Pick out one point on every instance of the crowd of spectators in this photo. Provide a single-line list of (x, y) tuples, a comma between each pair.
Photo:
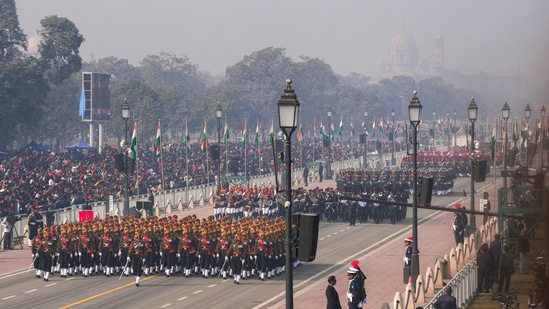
[(58, 180), (46, 179)]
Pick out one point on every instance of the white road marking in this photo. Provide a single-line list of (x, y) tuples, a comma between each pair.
[(211, 286), (12, 296), (51, 284), (166, 305), (199, 291), (182, 298), (30, 291), (322, 238)]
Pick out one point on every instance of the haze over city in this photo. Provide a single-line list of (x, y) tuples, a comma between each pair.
[(350, 36)]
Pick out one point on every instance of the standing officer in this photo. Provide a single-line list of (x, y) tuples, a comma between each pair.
[(353, 292), (46, 251), (306, 176), (408, 258)]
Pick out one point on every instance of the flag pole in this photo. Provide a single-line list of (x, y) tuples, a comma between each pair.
[(162, 166)]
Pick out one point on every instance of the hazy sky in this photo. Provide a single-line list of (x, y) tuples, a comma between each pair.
[(349, 35)]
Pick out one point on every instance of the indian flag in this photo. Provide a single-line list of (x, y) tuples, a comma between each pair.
[(204, 138), (244, 134), (257, 135), (272, 134), (314, 128), (157, 141), (341, 128), (352, 130), (187, 135), (226, 134), (493, 143), (133, 142)]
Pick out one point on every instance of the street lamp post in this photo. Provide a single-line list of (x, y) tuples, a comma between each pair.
[(329, 164), (394, 137), (505, 111), (126, 116), (434, 130), (473, 112), (288, 115), (542, 114), (414, 113), (219, 114), (365, 138), (527, 113)]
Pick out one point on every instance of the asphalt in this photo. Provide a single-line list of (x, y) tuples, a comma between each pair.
[(384, 280)]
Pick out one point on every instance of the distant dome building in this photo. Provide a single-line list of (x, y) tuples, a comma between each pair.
[(32, 45), (403, 56)]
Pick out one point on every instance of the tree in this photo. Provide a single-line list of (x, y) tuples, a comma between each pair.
[(59, 48)]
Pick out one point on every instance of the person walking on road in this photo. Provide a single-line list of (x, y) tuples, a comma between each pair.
[(331, 294), (306, 176), (523, 248), (446, 301)]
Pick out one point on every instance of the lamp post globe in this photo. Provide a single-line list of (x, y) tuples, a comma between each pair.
[(288, 115)]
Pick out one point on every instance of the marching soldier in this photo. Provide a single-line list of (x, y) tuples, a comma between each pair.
[(124, 249), (64, 246), (36, 252), (46, 250), (137, 257), (168, 252), (223, 246), (187, 252), (236, 252)]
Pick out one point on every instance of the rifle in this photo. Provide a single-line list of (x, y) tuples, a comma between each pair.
[(126, 265)]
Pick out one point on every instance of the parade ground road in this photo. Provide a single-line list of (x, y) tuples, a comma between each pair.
[(379, 247)]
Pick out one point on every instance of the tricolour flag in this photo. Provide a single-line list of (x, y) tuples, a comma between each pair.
[(272, 133), (314, 129), (374, 128), (493, 143), (204, 138), (257, 135), (341, 128), (244, 132), (323, 131), (226, 133), (300, 133), (332, 130), (352, 130), (133, 142), (187, 135), (157, 142)]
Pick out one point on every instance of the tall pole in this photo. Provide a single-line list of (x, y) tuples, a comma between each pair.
[(448, 128), (527, 112), (366, 139), (288, 113), (394, 137), (218, 115), (542, 113), (126, 116), (329, 165), (434, 132), (414, 111), (505, 111), (473, 112)]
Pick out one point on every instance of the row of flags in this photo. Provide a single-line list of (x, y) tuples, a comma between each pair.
[(519, 134), (204, 136)]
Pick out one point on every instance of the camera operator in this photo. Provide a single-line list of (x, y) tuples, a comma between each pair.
[(7, 225)]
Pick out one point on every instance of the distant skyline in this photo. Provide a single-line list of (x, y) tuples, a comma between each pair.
[(350, 36)]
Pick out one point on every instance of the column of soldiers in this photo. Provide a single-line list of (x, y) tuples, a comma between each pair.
[(189, 246)]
